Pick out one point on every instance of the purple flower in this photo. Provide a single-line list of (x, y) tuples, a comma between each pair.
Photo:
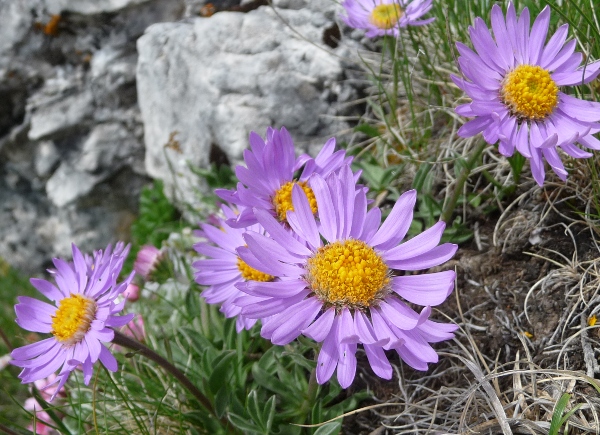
[(223, 268), (147, 261), (268, 178), (514, 83), (385, 17), (337, 284), (80, 320)]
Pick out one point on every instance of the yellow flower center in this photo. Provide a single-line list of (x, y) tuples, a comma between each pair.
[(386, 16), (251, 274), (282, 200), (529, 92), (73, 318), (348, 273)]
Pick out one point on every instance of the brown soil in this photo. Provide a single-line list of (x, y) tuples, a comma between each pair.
[(517, 300)]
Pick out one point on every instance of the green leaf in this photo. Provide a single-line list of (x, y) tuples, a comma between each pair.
[(367, 129), (222, 399), (221, 371), (254, 409), (559, 418), (243, 424), (516, 161), (269, 413), (270, 382), (423, 181), (331, 428)]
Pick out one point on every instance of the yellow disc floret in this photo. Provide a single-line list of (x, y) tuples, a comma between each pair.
[(282, 200), (251, 274), (386, 16), (73, 318), (530, 92), (348, 273)]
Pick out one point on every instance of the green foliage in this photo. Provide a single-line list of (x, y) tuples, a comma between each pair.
[(157, 217), (12, 392), (559, 417)]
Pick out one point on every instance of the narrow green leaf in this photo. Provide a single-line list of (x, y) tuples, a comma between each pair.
[(220, 373), (331, 428)]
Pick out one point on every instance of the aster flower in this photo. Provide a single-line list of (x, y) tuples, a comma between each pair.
[(514, 81), (337, 282), (223, 268), (267, 180), (385, 17), (147, 261), (80, 319)]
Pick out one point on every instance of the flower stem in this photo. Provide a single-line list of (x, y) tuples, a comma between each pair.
[(122, 340), (460, 182), (7, 430), (6, 341)]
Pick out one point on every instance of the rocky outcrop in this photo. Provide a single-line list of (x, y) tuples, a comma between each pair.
[(87, 117), (71, 136), (208, 82)]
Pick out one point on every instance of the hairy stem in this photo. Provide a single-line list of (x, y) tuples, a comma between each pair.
[(6, 340), (130, 343)]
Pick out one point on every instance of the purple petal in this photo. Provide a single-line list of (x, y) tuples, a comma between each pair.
[(108, 359), (582, 110), (372, 222), (539, 30), (411, 359), (321, 327), (537, 166), (563, 56), (41, 310), (47, 289), (435, 257), (435, 332), (501, 36), (118, 321), (293, 320), (399, 314), (416, 246), (327, 214), (378, 361), (306, 224), (281, 289), (346, 368), (554, 45), (427, 289), (263, 260), (365, 331), (280, 235), (270, 307), (346, 332), (474, 126), (34, 349), (397, 223), (328, 356), (383, 331)]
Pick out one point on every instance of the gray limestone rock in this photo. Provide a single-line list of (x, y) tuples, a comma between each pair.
[(86, 115), (210, 81)]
